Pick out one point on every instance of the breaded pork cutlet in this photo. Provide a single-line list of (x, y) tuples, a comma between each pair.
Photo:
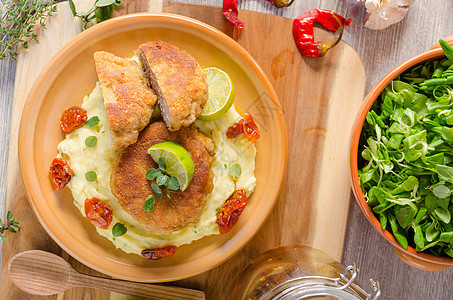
[(130, 185), (128, 99), (179, 81)]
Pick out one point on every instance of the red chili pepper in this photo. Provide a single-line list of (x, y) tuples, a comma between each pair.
[(281, 3), (303, 31), (230, 11)]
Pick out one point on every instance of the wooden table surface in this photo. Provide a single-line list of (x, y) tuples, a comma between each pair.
[(426, 22)]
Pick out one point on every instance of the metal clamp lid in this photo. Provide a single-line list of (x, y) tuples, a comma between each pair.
[(353, 271), (342, 287)]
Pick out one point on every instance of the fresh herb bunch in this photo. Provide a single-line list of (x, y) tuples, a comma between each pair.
[(407, 143), (20, 23), (102, 10), (160, 179), (10, 225)]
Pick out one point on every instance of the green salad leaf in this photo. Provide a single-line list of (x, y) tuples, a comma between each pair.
[(406, 162)]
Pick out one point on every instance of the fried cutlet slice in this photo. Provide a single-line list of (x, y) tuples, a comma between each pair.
[(128, 99), (130, 185), (179, 81)]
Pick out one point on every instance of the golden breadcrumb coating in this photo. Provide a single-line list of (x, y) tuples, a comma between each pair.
[(128, 99), (179, 81), (130, 185)]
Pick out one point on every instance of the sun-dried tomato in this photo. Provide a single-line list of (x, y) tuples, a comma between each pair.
[(229, 212), (73, 118), (60, 173), (235, 129), (98, 212), (158, 253), (251, 129), (246, 126)]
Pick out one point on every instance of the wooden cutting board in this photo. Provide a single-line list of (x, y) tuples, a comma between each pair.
[(319, 99)]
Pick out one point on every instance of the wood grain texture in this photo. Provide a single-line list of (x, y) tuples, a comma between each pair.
[(426, 22), (17, 202), (312, 129)]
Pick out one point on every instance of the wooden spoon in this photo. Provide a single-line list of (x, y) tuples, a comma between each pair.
[(43, 273)]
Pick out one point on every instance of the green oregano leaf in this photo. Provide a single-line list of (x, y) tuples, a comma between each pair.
[(91, 122), (162, 164), (172, 183), (161, 179), (153, 173), (119, 230), (157, 190), (149, 204), (91, 141), (91, 176), (235, 170)]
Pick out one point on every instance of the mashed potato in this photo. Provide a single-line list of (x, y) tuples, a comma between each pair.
[(100, 158)]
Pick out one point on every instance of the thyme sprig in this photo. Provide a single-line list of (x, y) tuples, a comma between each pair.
[(20, 22), (10, 225)]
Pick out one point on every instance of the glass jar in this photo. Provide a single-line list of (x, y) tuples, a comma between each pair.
[(299, 272)]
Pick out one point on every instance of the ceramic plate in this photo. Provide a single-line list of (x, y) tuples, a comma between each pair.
[(71, 74)]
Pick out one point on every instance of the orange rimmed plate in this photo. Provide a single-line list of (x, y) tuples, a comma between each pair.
[(71, 74)]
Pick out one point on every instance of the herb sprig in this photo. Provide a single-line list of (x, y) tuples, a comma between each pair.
[(20, 23), (158, 180), (11, 225), (102, 10)]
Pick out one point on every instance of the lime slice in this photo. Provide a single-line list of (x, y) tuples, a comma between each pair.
[(177, 160), (221, 94)]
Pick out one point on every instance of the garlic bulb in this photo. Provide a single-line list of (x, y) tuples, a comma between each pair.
[(383, 13)]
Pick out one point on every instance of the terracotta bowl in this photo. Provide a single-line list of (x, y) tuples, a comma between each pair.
[(71, 74), (411, 257)]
